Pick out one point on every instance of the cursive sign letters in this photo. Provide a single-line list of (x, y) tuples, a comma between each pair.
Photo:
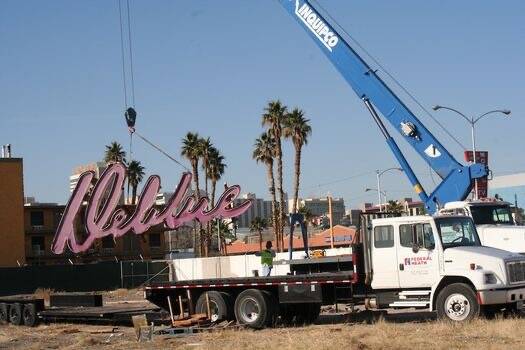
[(102, 218)]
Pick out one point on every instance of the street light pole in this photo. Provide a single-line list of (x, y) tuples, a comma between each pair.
[(472, 121), (383, 193), (379, 192)]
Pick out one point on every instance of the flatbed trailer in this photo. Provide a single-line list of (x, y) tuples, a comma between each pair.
[(259, 301), (29, 310)]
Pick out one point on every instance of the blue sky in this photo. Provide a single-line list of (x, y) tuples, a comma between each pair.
[(211, 66)]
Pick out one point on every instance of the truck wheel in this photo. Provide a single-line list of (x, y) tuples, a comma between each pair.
[(4, 313), (15, 314), (457, 302), (220, 305), (29, 315), (273, 308), (253, 309)]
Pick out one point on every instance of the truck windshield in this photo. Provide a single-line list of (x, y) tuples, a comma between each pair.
[(457, 232), (491, 215)]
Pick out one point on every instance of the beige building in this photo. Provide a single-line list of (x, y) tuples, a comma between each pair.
[(319, 207), (12, 252)]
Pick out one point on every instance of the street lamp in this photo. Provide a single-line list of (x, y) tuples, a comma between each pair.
[(472, 121), (379, 192)]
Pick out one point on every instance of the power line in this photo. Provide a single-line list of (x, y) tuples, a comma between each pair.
[(332, 19)]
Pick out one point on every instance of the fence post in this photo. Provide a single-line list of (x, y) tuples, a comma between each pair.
[(121, 276)]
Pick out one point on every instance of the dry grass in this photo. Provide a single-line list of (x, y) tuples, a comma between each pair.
[(479, 334)]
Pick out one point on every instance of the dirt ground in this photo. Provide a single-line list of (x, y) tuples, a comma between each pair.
[(390, 332), (360, 330)]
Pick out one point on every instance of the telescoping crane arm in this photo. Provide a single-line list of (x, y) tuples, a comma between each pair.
[(457, 179)]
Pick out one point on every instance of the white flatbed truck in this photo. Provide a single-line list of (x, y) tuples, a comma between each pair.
[(434, 263)]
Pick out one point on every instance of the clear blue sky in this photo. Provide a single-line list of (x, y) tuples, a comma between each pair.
[(211, 66)]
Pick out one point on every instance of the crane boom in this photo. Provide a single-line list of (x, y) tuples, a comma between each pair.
[(457, 179)]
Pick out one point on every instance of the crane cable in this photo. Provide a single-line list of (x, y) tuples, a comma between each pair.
[(396, 82), (131, 107)]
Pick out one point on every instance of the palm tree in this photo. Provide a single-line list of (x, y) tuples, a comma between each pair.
[(264, 150), (207, 148), (295, 126), (307, 214), (258, 225), (135, 176), (273, 117), (192, 150), (395, 208), (114, 153), (215, 171)]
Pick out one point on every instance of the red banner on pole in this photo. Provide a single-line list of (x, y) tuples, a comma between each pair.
[(483, 158)]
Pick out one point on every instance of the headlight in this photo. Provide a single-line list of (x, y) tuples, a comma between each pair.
[(490, 278)]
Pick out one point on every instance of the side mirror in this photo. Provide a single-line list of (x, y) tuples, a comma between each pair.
[(415, 247)]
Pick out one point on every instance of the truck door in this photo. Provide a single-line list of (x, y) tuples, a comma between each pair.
[(384, 258), (417, 257)]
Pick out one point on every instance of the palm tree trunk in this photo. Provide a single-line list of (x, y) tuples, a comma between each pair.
[(271, 182), (213, 187), (208, 225), (260, 240), (279, 155), (195, 168), (297, 176), (133, 194)]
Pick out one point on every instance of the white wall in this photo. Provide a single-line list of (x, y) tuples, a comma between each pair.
[(234, 266)]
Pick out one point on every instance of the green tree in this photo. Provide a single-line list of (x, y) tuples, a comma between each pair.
[(258, 225), (114, 153), (395, 208), (192, 150), (274, 114), (263, 151), (135, 176), (296, 128)]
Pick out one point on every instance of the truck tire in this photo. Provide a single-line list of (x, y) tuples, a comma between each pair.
[(457, 302), (15, 314), (273, 308), (29, 315), (253, 308), (220, 305), (4, 313)]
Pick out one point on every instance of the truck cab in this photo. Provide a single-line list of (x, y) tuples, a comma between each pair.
[(494, 222), (439, 263)]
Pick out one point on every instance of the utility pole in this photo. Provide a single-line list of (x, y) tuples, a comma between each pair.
[(331, 221)]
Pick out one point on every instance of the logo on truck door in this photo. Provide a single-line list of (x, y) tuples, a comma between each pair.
[(316, 25)]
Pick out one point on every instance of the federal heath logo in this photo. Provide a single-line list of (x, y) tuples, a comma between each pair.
[(316, 25)]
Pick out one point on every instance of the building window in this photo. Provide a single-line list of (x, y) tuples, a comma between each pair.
[(38, 244), (154, 240), (37, 218), (108, 242)]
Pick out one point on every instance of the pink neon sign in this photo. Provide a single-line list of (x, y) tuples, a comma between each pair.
[(102, 218)]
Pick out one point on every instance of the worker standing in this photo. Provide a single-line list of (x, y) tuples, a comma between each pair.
[(267, 256)]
